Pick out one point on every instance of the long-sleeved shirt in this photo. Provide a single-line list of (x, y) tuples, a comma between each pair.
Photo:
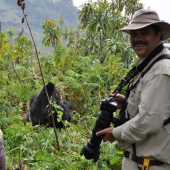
[(149, 106)]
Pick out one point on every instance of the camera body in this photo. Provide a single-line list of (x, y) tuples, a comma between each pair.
[(91, 150), (108, 105)]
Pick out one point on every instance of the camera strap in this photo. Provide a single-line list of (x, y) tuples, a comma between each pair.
[(164, 56), (146, 63), (137, 69)]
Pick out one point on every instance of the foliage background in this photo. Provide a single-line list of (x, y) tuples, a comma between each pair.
[(85, 64)]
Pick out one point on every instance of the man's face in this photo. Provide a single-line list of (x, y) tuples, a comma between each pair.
[(144, 41)]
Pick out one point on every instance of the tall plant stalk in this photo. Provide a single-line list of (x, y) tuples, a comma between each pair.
[(21, 3)]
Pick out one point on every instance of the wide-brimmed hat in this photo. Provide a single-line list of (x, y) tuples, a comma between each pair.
[(146, 17)]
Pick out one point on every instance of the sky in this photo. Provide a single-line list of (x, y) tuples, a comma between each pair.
[(160, 6)]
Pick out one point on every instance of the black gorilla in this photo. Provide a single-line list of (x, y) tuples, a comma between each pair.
[(39, 108)]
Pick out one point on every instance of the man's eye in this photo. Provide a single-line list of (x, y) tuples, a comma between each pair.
[(133, 34), (145, 33)]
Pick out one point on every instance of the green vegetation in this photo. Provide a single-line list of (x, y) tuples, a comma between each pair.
[(85, 64)]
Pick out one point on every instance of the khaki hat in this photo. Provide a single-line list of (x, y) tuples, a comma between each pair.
[(146, 17)]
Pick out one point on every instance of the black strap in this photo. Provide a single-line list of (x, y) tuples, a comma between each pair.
[(148, 59), (129, 77), (167, 121), (137, 69), (164, 56), (140, 160)]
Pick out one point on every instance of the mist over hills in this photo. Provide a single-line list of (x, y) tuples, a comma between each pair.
[(37, 11)]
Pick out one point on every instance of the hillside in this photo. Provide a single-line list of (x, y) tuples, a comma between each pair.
[(37, 11)]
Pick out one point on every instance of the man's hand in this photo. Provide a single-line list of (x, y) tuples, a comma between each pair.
[(120, 99), (108, 134)]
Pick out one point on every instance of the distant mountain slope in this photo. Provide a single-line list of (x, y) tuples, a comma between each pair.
[(37, 11)]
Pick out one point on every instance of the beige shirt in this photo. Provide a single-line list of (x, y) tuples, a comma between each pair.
[(149, 106)]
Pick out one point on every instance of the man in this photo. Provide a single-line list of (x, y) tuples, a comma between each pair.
[(145, 137), (2, 154)]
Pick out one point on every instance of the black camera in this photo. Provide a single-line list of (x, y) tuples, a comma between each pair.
[(91, 150), (108, 105)]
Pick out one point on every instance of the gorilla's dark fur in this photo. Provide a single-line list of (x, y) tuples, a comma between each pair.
[(39, 108)]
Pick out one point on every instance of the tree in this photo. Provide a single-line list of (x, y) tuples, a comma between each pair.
[(100, 22), (52, 33)]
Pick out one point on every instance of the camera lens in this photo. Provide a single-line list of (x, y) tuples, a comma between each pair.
[(91, 150)]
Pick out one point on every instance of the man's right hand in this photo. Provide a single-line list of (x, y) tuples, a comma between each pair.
[(119, 98), (108, 134)]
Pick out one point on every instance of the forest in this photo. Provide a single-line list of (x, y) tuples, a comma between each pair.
[(85, 64)]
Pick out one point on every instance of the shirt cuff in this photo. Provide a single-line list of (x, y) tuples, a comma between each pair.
[(117, 132)]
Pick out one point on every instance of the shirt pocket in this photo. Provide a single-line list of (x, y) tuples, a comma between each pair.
[(134, 99)]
